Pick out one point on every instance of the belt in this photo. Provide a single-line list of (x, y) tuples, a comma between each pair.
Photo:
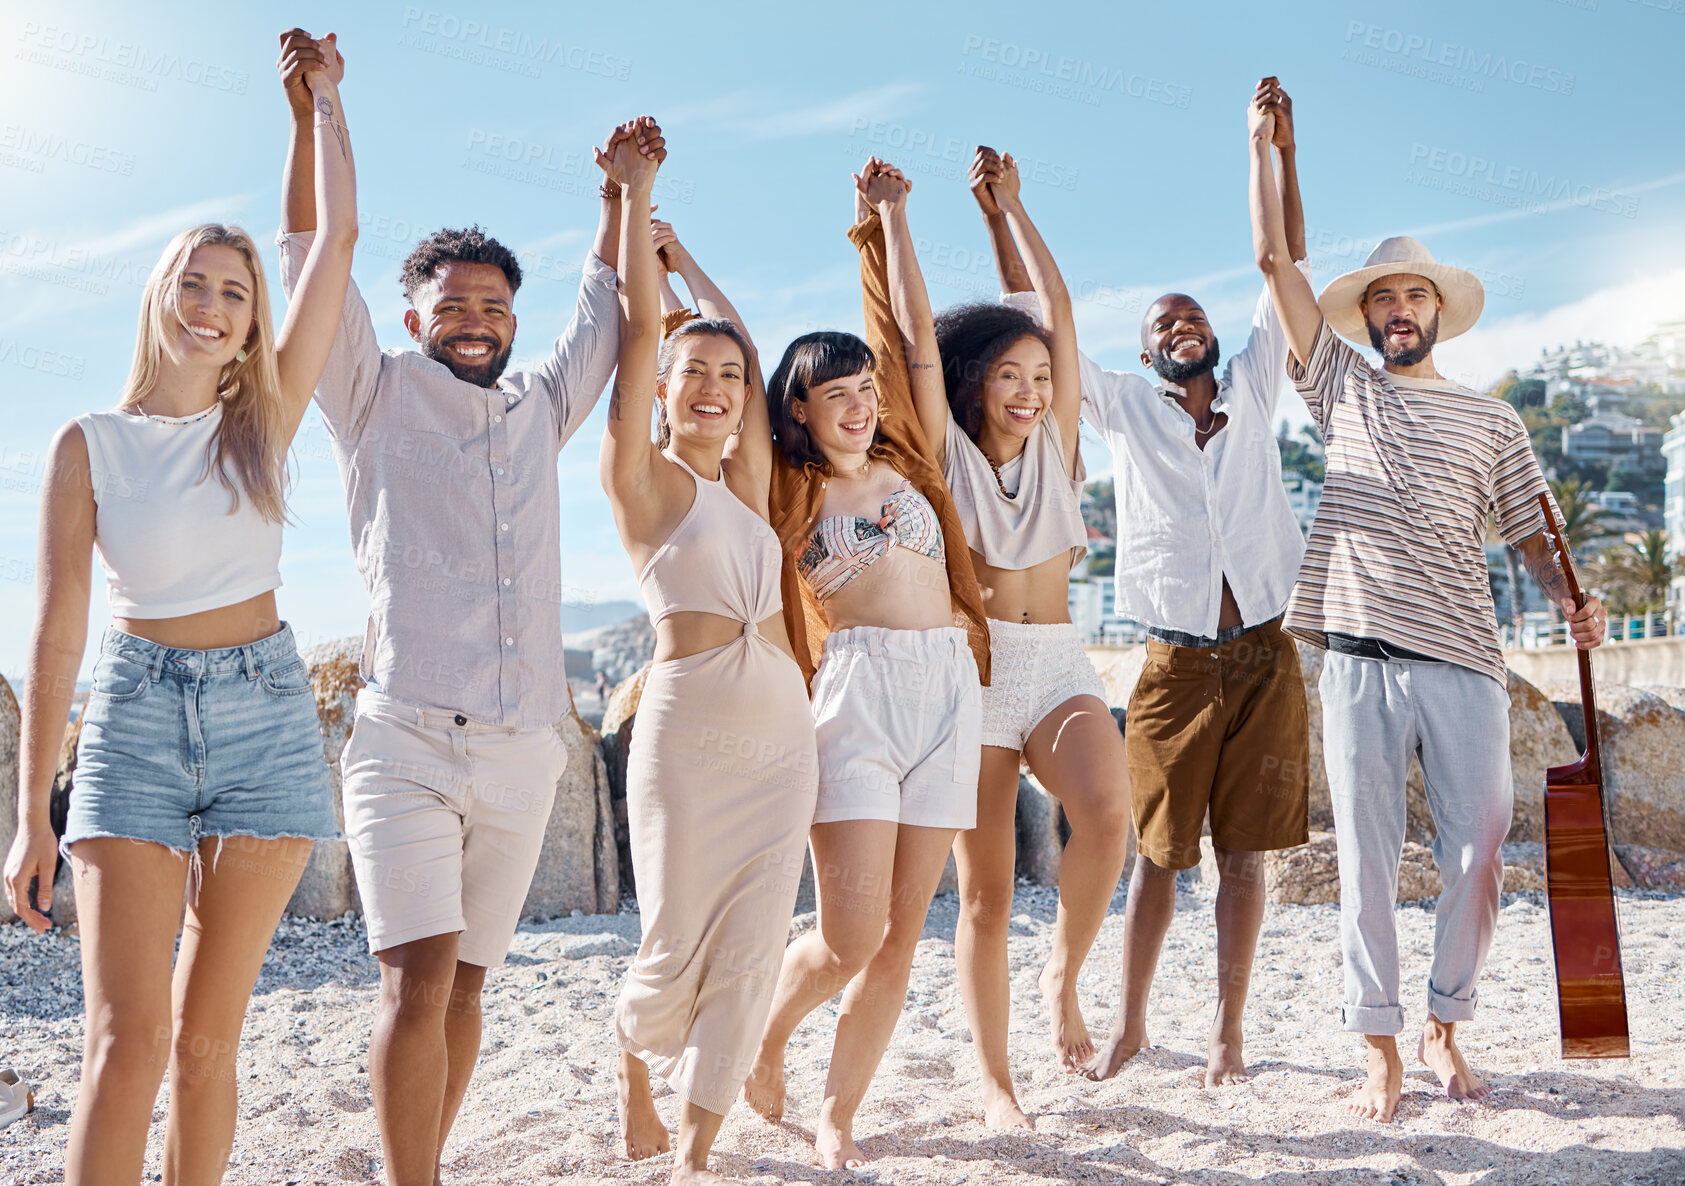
[(1225, 635), (1375, 648)]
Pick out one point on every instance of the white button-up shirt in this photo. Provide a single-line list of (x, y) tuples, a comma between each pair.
[(455, 508), (1187, 517)]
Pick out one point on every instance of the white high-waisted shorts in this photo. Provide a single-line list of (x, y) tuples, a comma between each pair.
[(897, 716), (1033, 669)]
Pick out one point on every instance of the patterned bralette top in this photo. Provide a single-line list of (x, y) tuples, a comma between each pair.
[(844, 546)]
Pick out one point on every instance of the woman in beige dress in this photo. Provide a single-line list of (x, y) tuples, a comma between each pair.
[(721, 777)]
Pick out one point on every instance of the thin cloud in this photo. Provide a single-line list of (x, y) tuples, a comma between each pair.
[(759, 118)]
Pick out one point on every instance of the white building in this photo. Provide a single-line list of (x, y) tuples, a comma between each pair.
[(1304, 495), (1673, 503)]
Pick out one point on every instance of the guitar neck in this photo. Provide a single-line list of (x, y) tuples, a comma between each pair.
[(1588, 694)]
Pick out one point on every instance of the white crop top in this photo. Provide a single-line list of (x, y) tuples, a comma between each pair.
[(1040, 519), (164, 527)]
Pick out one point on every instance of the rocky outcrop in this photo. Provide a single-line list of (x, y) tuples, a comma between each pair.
[(578, 868), (618, 721), (577, 871), (1643, 750), (1653, 868), (10, 746), (327, 889), (618, 651)]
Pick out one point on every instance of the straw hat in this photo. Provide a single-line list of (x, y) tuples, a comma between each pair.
[(1461, 292)]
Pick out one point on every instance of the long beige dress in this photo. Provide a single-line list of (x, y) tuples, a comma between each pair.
[(720, 792)]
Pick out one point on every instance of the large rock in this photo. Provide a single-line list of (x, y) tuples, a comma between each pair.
[(1042, 833), (328, 889), (1653, 868), (1119, 673), (1309, 875), (619, 719), (1643, 750), (567, 877), (618, 651), (10, 747)]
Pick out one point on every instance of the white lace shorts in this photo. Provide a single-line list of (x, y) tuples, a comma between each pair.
[(1033, 669)]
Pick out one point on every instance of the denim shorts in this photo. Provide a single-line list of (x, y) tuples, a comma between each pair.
[(179, 744)]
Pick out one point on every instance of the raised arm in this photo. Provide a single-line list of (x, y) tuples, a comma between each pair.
[(65, 553), (313, 314), (1055, 299), (628, 452), (750, 450), (1294, 301), (300, 53), (884, 189), (1286, 150), (1009, 265)]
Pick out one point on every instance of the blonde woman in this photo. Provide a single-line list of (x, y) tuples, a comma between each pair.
[(199, 770)]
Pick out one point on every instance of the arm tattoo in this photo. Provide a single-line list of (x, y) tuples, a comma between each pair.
[(325, 106), (1542, 562)]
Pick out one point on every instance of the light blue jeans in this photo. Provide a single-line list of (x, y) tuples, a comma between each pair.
[(181, 744), (1375, 715)]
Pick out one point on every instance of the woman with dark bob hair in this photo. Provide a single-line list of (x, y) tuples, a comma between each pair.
[(879, 585), (1003, 420)]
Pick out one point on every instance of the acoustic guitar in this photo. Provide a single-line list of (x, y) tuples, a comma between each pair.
[(1584, 930)]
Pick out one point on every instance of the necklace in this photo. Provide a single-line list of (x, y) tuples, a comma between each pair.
[(182, 421), (854, 474), (998, 480)]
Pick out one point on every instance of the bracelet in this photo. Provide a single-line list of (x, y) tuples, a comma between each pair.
[(609, 190), (323, 121)]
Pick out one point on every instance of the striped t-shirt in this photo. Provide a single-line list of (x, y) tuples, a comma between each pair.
[(1415, 466)]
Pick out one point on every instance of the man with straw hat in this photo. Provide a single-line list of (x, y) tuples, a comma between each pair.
[(1394, 586)]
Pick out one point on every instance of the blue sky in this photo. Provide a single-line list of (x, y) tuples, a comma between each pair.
[(1533, 142)]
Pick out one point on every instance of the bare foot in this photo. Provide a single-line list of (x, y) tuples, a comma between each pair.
[(694, 1176), (1071, 1044), (1378, 1098), (640, 1125), (1224, 1063), (764, 1089), (835, 1145), (1001, 1110), (1437, 1048), (1123, 1045)]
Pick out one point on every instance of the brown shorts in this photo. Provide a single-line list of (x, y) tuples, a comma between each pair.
[(1221, 728)]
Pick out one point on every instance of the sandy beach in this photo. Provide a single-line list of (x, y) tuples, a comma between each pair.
[(541, 1108)]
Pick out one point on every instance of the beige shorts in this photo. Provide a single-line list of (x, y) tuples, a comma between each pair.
[(896, 716), (1033, 669), (445, 818)]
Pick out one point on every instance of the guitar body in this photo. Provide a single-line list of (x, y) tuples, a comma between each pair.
[(1585, 932)]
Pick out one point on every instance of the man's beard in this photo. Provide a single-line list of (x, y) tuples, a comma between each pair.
[(1426, 336), (484, 373), (1180, 373)]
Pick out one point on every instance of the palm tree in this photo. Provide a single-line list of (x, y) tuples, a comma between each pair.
[(1582, 519), (1650, 569)]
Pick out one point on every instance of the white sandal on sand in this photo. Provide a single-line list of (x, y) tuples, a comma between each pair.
[(16, 1099)]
